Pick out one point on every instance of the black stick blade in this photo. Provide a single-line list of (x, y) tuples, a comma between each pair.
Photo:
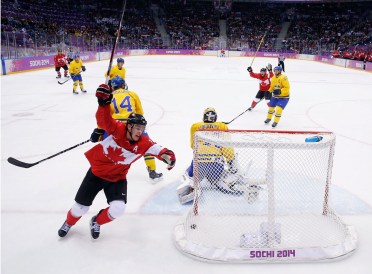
[(18, 163)]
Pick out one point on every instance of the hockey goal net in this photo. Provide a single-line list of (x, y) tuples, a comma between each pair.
[(222, 53), (263, 196)]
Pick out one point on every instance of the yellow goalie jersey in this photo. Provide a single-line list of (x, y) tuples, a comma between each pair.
[(209, 152), (115, 71), (125, 102)]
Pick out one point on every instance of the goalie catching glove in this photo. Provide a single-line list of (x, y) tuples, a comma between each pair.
[(168, 157), (104, 94)]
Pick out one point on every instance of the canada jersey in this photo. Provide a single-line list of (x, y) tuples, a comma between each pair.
[(116, 71), (263, 81), (112, 158), (125, 102), (75, 67), (60, 60), (208, 152), (280, 82)]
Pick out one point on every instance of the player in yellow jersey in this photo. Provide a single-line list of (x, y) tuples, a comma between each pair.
[(212, 160), (117, 70), (123, 103), (280, 89), (76, 66)]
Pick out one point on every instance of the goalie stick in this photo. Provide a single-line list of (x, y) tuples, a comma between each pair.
[(18, 163)]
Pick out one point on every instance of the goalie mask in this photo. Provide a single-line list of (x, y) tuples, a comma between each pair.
[(210, 115)]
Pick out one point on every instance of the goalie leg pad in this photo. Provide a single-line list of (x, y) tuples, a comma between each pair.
[(228, 188)]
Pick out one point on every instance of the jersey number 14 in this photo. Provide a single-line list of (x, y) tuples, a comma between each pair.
[(125, 104)]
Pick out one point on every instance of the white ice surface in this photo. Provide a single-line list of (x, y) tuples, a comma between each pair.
[(40, 118)]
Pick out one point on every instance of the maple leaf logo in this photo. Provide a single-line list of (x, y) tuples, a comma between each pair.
[(115, 154)]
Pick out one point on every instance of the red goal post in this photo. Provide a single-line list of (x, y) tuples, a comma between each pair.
[(263, 196)]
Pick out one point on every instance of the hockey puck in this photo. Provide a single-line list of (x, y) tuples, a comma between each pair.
[(193, 226)]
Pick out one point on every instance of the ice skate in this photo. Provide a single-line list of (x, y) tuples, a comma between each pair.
[(274, 124), (65, 228), (154, 176), (94, 227), (267, 121)]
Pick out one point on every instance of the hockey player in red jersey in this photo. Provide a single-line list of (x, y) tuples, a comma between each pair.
[(60, 61), (264, 79), (110, 161)]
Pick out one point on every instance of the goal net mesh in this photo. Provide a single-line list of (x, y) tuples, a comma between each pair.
[(263, 196)]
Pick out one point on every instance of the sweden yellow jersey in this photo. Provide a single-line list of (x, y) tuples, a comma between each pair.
[(125, 102), (115, 71), (75, 67), (281, 82), (206, 151)]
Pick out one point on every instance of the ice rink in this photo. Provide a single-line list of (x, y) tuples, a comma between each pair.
[(40, 118)]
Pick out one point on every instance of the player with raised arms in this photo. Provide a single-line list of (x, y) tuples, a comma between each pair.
[(125, 102), (110, 161), (264, 80)]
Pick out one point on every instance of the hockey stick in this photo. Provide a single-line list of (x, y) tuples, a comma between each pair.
[(236, 117), (116, 41), (254, 57), (241, 114), (61, 83), (18, 163)]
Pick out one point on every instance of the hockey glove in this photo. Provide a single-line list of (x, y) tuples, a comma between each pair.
[(249, 69), (269, 67), (277, 92), (97, 135), (168, 157), (83, 68), (104, 95)]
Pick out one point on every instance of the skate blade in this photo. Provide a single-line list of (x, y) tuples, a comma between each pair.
[(156, 180)]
